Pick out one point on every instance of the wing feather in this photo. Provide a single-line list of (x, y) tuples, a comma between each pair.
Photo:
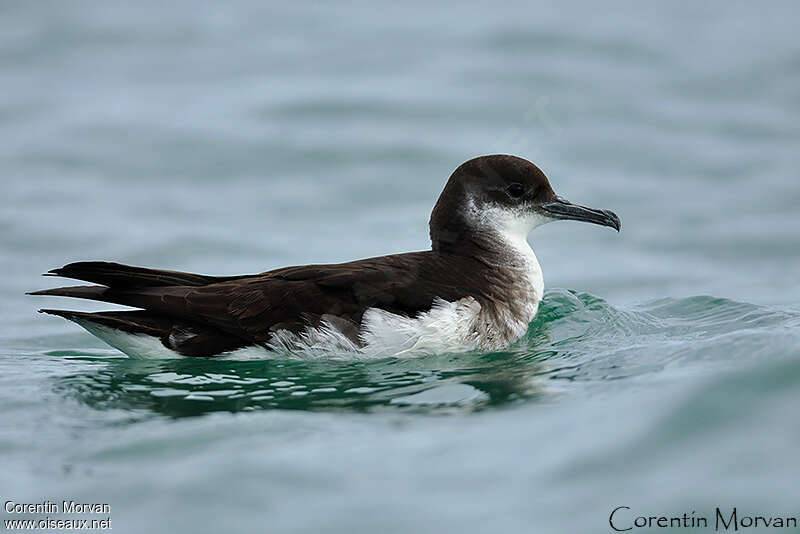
[(253, 307)]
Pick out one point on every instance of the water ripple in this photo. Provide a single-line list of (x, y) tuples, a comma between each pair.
[(577, 338)]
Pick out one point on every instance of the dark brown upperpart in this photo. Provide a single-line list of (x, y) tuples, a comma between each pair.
[(200, 314)]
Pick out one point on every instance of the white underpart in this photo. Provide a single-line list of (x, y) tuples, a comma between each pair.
[(512, 229), (138, 346), (447, 327), (509, 228)]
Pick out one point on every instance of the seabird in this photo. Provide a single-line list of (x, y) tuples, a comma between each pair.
[(478, 287)]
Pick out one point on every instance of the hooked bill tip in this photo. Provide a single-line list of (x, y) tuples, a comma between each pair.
[(616, 223)]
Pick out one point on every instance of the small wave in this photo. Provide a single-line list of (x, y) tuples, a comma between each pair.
[(571, 325), (605, 342), (577, 339)]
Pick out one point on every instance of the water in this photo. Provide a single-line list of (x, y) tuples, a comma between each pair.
[(662, 372)]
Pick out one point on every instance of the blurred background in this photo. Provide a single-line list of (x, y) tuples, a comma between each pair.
[(227, 138)]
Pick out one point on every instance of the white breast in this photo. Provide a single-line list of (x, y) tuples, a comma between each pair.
[(507, 231)]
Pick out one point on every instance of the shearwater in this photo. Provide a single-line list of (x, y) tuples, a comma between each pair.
[(478, 287)]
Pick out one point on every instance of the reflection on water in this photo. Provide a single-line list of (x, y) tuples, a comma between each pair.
[(576, 337), (179, 388)]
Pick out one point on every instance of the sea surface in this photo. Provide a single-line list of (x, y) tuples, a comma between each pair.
[(662, 372)]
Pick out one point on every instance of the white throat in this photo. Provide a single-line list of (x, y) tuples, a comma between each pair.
[(507, 231), (508, 227)]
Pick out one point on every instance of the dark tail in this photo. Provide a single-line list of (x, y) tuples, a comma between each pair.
[(78, 292), (161, 297), (138, 322), (121, 276), (130, 286)]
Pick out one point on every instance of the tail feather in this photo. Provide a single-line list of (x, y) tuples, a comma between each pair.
[(79, 292), (161, 297), (121, 276), (135, 321), (168, 300), (137, 287)]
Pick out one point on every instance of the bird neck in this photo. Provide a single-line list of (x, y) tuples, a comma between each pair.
[(491, 234), (505, 257)]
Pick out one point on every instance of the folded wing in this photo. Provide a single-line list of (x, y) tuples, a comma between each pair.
[(198, 315)]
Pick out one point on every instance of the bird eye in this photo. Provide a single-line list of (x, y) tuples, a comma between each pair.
[(515, 190)]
